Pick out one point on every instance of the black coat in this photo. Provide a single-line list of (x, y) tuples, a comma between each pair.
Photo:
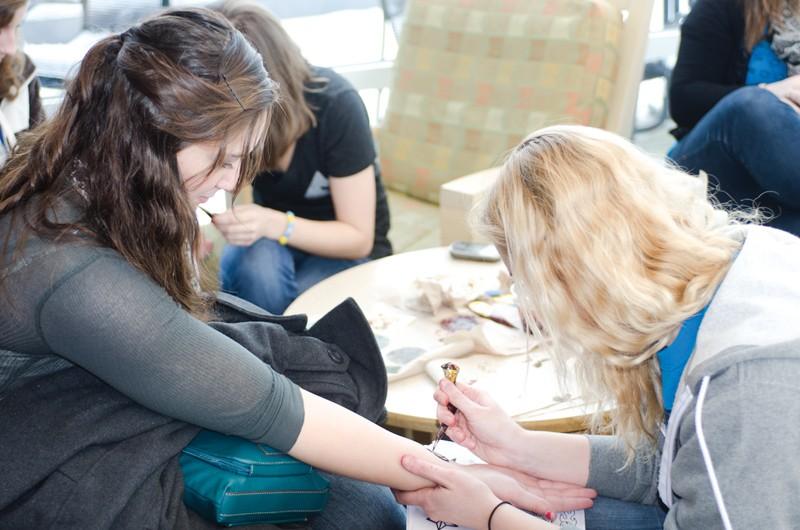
[(712, 61)]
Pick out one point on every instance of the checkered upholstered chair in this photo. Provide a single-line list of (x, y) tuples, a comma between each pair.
[(473, 77)]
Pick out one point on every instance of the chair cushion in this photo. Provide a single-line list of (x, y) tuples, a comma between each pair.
[(472, 78)]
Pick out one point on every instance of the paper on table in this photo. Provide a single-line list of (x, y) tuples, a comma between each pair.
[(435, 357), (521, 383), (496, 339), (416, 519)]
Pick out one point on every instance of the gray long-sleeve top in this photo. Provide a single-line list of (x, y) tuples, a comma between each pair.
[(75, 303)]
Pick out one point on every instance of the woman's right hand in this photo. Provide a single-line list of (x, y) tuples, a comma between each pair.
[(787, 90), (456, 497), (480, 424)]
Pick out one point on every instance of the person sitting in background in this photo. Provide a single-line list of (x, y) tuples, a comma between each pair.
[(20, 105), (319, 204), (735, 96), (679, 319)]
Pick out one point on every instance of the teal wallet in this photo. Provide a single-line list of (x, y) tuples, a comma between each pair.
[(232, 482)]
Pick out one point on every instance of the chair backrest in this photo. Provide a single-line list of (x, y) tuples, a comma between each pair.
[(630, 64), (472, 78)]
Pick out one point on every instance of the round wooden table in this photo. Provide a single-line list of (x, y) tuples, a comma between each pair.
[(410, 405)]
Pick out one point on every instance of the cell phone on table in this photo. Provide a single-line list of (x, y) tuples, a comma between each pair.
[(474, 251)]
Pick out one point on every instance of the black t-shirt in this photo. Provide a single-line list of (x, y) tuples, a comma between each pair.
[(339, 146)]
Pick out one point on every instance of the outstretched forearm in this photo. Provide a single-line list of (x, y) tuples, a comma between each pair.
[(552, 455), (339, 441)]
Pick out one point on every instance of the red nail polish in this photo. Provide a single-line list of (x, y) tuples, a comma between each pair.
[(550, 516)]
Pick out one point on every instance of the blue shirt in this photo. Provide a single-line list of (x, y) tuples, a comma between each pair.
[(765, 66), (674, 357)]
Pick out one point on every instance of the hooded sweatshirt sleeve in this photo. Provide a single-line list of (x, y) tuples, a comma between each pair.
[(611, 477)]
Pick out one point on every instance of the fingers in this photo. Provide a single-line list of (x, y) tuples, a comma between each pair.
[(533, 503), (566, 504), (460, 436), (444, 415), (239, 230), (433, 471), (417, 497), (471, 392), (569, 490), (241, 237), (457, 397), (793, 99)]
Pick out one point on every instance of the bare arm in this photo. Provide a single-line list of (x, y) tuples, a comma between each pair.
[(352, 234), (554, 456), (339, 441)]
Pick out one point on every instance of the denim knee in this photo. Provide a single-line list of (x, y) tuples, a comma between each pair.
[(262, 273), (751, 110), (613, 514), (354, 504)]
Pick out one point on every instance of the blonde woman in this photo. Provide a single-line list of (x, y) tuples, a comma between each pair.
[(682, 319)]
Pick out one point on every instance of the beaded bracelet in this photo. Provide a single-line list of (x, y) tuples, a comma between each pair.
[(489, 525), (287, 233)]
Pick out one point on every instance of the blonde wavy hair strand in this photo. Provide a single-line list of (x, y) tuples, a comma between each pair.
[(610, 250)]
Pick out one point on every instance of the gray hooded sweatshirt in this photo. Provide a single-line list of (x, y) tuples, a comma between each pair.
[(728, 457)]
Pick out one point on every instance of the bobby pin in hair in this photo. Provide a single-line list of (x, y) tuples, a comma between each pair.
[(224, 78), (125, 35)]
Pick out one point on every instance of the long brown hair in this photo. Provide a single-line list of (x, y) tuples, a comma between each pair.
[(11, 67), (285, 63), (760, 13), (179, 78)]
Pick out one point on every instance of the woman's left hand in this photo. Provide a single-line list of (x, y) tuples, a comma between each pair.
[(457, 490), (531, 493), (245, 224), (458, 497)]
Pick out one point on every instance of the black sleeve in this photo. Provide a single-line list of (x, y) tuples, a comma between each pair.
[(711, 37), (36, 110), (116, 323), (347, 144)]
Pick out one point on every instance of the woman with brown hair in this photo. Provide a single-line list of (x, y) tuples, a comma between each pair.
[(319, 205), (20, 106), (105, 330), (678, 318), (735, 96)]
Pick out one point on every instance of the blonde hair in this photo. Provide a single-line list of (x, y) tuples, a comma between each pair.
[(610, 250)]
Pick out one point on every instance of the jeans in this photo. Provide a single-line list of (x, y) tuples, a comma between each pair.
[(613, 514), (748, 143), (356, 505), (271, 275)]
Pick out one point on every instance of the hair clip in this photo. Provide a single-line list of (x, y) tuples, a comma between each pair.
[(224, 78), (125, 35)]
